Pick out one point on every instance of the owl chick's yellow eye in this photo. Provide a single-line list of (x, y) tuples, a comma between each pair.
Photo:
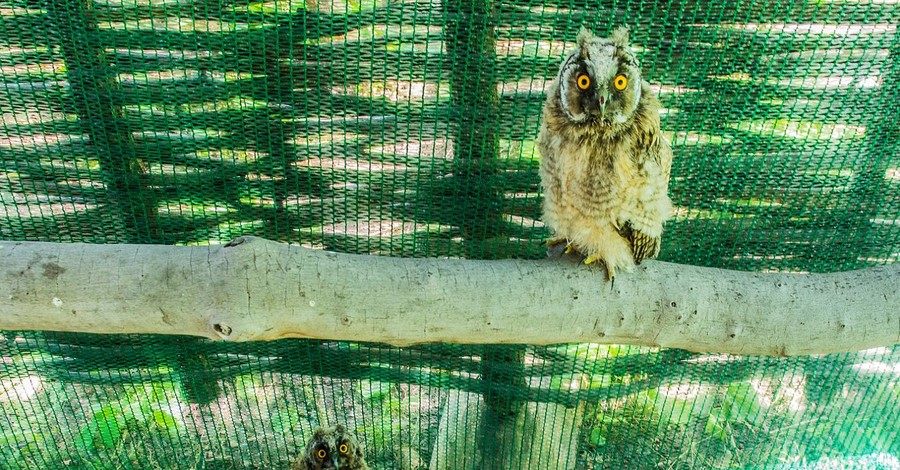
[(620, 82), (583, 81), (343, 448), (321, 453)]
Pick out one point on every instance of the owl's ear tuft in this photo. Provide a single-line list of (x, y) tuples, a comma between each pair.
[(584, 35), (619, 36)]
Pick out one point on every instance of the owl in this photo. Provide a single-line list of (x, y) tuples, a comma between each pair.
[(604, 161), (332, 447)]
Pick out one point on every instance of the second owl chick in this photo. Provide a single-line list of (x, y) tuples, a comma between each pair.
[(604, 161), (332, 447)]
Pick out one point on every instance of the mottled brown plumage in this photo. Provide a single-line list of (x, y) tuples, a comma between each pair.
[(332, 447), (604, 161)]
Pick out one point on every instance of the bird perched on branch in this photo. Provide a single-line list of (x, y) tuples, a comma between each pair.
[(331, 447), (604, 161)]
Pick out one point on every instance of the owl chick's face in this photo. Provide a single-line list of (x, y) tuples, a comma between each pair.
[(601, 80), (334, 448)]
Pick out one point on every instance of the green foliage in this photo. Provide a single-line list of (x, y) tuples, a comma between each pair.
[(142, 409), (740, 405)]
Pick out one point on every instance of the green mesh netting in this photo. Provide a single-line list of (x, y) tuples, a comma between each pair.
[(407, 128)]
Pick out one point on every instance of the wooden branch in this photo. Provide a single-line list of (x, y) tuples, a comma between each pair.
[(254, 289)]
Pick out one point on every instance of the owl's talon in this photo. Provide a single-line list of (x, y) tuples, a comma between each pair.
[(610, 272), (570, 247)]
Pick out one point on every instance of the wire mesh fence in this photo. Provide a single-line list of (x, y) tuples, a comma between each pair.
[(407, 128)]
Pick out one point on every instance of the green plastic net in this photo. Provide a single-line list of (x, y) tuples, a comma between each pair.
[(407, 128)]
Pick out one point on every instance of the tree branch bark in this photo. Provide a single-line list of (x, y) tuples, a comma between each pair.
[(254, 289)]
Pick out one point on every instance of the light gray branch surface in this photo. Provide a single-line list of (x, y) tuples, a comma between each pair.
[(254, 289)]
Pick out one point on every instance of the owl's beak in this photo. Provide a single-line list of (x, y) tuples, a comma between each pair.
[(602, 99)]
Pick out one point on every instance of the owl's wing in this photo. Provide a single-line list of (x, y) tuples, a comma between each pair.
[(653, 156), (643, 246)]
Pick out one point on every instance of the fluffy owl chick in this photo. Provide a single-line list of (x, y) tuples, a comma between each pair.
[(604, 161), (332, 447)]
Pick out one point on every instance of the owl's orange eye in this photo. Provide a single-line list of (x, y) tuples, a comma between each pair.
[(321, 453), (343, 448), (620, 82), (583, 81)]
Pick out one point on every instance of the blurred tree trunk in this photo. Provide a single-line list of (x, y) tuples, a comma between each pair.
[(470, 40), (498, 441), (538, 435), (94, 86), (879, 154)]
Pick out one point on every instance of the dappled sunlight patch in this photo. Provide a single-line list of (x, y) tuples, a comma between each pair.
[(20, 389), (663, 112), (192, 209), (34, 141), (174, 23), (33, 116), (437, 148), (371, 228), (735, 77), (826, 82), (540, 10), (884, 221), (233, 103), (325, 138), (27, 206), (684, 212), (348, 164), (893, 258), (685, 391), (812, 28), (690, 138), (663, 90), (749, 202), (800, 129), (785, 394), (396, 90), (524, 150), (348, 6), (159, 76), (892, 175), (387, 37), (878, 368), (172, 54), (30, 71), (228, 155), (175, 170), (531, 48), (181, 134), (830, 55), (523, 221), (534, 86), (683, 402)]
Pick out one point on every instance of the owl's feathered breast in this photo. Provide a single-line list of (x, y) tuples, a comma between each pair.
[(605, 186), (592, 167)]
